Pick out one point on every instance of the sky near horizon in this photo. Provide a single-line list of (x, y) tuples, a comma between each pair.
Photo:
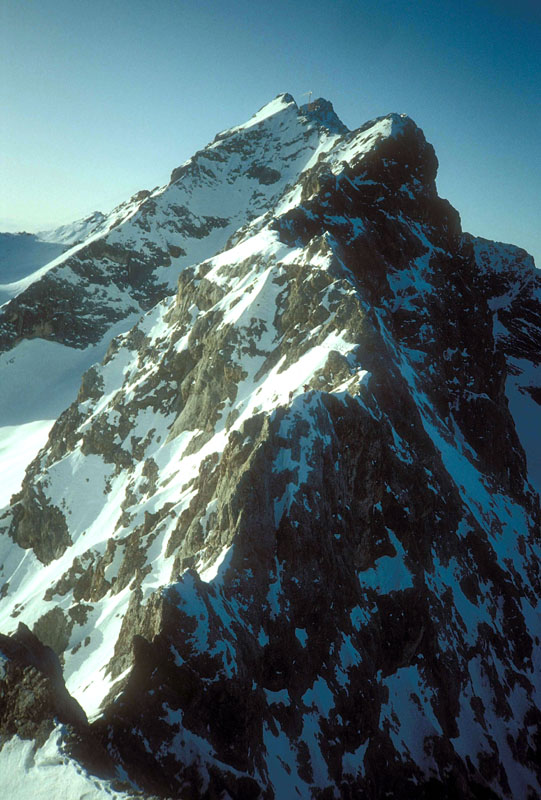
[(100, 99)]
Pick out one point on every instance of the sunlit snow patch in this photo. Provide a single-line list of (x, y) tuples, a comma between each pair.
[(48, 772)]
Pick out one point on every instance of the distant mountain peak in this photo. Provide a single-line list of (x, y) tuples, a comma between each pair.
[(323, 112), (320, 111), (282, 102)]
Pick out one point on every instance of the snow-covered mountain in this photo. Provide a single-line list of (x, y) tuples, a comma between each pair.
[(284, 538), (23, 254)]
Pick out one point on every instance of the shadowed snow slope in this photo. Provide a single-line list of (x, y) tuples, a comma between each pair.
[(284, 540)]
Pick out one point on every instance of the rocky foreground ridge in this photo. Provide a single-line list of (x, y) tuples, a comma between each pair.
[(285, 540)]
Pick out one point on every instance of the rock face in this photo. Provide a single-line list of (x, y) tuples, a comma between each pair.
[(33, 694), (285, 540)]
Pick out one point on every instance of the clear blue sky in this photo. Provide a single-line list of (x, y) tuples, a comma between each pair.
[(100, 98)]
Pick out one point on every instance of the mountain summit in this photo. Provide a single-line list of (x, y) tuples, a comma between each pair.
[(283, 540)]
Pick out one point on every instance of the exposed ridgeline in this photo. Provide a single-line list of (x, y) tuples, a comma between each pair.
[(285, 541), (123, 263)]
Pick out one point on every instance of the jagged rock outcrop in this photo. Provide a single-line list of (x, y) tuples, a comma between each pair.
[(32, 691), (292, 519), (35, 706)]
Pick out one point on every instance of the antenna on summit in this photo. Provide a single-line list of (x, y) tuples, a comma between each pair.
[(309, 99)]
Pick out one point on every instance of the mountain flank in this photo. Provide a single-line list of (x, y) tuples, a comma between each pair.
[(282, 539)]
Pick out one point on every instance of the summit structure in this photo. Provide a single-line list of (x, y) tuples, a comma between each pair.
[(281, 538)]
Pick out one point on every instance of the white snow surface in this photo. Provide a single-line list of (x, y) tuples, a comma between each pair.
[(75, 232), (39, 380), (26, 257), (48, 772), (20, 255), (18, 446), (280, 103)]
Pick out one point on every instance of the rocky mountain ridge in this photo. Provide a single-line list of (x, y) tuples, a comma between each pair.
[(125, 261), (285, 541)]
